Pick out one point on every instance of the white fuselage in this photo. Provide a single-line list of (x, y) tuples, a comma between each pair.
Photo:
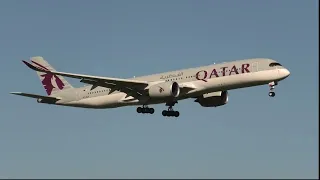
[(212, 78)]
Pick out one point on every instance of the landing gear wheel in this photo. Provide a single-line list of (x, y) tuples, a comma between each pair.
[(272, 94), (170, 112), (176, 113), (164, 113), (145, 110)]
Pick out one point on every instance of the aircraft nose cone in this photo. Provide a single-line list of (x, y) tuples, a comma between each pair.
[(284, 72)]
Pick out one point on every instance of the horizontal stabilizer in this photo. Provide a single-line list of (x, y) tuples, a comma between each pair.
[(46, 99)]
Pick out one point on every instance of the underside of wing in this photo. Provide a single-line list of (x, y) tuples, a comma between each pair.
[(187, 85)]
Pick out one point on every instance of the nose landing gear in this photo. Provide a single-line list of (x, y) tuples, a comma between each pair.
[(272, 87)]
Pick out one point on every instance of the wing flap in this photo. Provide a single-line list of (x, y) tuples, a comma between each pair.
[(115, 87), (188, 86)]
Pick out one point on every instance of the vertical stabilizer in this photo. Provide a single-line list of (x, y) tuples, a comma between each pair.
[(51, 83)]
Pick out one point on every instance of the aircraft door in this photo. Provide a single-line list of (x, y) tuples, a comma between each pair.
[(254, 67)]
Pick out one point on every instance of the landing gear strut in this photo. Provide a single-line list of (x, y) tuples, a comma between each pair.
[(145, 110), (272, 86), (170, 112)]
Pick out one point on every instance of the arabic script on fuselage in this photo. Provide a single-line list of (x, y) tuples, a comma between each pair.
[(168, 76)]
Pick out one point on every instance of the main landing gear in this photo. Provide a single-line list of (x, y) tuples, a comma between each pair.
[(272, 86), (145, 110), (170, 112)]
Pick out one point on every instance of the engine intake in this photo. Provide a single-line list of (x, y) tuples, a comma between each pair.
[(213, 99), (164, 90)]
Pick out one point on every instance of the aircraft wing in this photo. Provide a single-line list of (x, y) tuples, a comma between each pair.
[(45, 98), (188, 86), (131, 87)]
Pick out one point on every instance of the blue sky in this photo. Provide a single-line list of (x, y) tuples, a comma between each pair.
[(253, 136)]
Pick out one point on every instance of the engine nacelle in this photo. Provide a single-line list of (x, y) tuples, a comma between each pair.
[(164, 90), (213, 99)]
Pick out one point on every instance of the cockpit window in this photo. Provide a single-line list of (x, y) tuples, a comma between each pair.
[(274, 64)]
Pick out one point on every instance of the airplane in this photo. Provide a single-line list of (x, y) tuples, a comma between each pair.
[(207, 85)]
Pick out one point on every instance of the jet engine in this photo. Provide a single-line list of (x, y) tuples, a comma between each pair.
[(164, 90), (213, 99)]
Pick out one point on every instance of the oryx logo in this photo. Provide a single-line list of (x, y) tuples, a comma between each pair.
[(161, 89), (47, 80)]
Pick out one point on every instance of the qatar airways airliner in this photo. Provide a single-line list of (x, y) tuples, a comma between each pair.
[(207, 85)]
